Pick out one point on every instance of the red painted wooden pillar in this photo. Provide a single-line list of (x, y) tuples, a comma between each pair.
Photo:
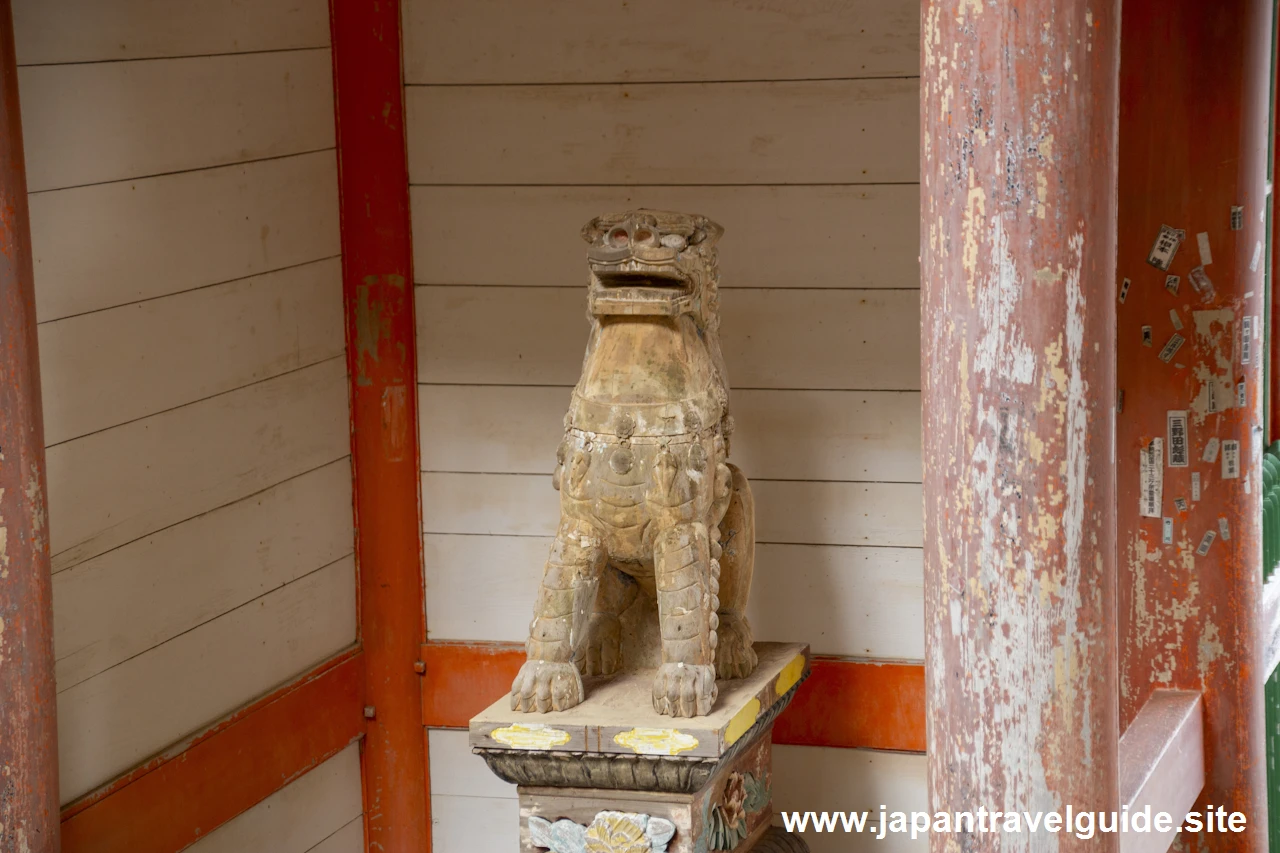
[(1018, 131), (1195, 100), (378, 294), (28, 701)]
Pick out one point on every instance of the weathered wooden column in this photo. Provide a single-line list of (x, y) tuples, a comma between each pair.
[(1194, 122), (1019, 103), (28, 701)]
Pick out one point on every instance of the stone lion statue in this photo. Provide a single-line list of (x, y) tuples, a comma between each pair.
[(649, 505)]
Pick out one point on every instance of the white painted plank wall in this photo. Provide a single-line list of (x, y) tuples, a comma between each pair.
[(188, 288), (795, 126), (316, 813)]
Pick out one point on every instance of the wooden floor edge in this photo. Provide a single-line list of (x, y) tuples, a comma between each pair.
[(178, 798), (855, 704)]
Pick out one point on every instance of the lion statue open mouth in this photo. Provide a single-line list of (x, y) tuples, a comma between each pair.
[(649, 504)]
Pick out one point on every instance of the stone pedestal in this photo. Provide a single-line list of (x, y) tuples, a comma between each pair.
[(614, 776)]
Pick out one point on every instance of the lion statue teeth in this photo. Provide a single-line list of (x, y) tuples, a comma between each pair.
[(649, 504)]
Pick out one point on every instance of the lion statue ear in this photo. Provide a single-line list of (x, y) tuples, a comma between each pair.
[(705, 233), (593, 230)]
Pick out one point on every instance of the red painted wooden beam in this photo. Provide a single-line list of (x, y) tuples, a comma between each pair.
[(373, 183), (1018, 129), (180, 797), (845, 703), (28, 702)]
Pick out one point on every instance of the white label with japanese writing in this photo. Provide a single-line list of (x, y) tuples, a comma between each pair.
[(1146, 336), (1230, 460), (1242, 394), (1180, 504), (1171, 348), (1175, 319), (1167, 538), (1195, 486), (1171, 283), (1165, 247), (1151, 478), (1246, 340), (1210, 450), (1237, 217), (1224, 529), (1124, 290), (1201, 283), (1206, 542), (1179, 455)]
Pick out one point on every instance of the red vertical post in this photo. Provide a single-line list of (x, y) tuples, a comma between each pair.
[(1018, 172), (28, 699), (378, 294), (1194, 108)]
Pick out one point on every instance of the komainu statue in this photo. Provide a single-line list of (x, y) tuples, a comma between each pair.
[(649, 504)]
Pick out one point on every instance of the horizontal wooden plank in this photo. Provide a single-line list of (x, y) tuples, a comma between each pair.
[(801, 435), (843, 600), (349, 839), (470, 812), (120, 717), (52, 31), (100, 246), (85, 124), (588, 41), (808, 339), (299, 816), (787, 511), (844, 703), (112, 487), (468, 824), (176, 798), (775, 236), (815, 132), (126, 601), (102, 369), (843, 780)]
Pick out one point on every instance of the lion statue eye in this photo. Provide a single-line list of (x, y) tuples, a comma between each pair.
[(644, 235), (618, 238)]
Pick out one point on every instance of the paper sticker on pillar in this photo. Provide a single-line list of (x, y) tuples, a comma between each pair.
[(1166, 247), (1171, 283), (1257, 257), (520, 736), (1201, 283), (644, 741), (1246, 340), (1179, 454), (1167, 537), (1242, 394), (1146, 336), (1237, 217), (1195, 486), (1170, 349), (1210, 450), (1180, 504), (1175, 319), (1151, 479), (1224, 528), (1124, 290), (1206, 542), (1230, 460), (1206, 257)]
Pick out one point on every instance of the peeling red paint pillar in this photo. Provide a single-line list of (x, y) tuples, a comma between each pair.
[(377, 288), (1018, 171), (1194, 120), (28, 701)]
